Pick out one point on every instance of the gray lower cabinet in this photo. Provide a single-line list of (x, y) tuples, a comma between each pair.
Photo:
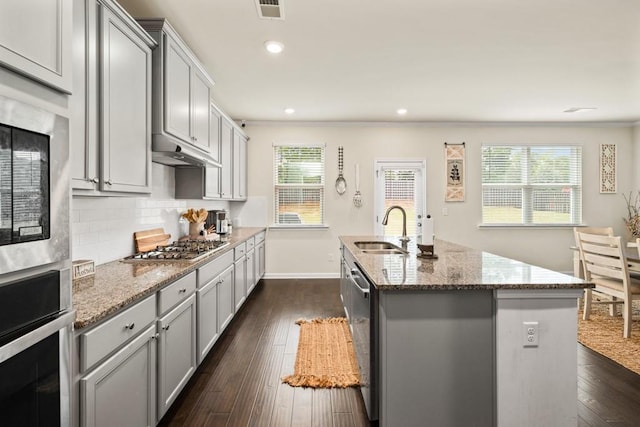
[(240, 276), (122, 390), (225, 298), (111, 142), (176, 352), (251, 271), (261, 260), (36, 40)]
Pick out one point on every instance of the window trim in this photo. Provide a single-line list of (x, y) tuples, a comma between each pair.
[(321, 187), (527, 187)]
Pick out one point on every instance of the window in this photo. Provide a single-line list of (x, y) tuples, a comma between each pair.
[(298, 185), (531, 185)]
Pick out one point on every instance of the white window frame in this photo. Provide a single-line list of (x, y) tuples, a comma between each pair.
[(527, 187), (320, 187)]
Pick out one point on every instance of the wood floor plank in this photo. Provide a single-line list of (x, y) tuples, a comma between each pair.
[(283, 405), (302, 407), (321, 414)]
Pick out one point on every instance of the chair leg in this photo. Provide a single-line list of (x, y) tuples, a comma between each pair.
[(613, 308), (627, 314), (587, 304)]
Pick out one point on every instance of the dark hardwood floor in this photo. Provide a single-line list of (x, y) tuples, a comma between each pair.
[(238, 384)]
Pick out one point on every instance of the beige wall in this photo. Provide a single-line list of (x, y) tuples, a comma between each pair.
[(314, 253)]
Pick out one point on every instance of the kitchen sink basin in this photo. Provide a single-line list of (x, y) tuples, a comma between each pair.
[(383, 251), (379, 248)]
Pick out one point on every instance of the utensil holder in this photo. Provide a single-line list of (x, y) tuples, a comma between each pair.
[(195, 228)]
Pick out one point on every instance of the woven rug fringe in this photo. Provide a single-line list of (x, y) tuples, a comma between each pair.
[(322, 381)]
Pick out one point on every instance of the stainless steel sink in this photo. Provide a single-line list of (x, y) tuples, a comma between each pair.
[(380, 247), (383, 251)]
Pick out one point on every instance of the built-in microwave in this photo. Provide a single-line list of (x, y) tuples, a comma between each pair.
[(24, 185), (34, 186)]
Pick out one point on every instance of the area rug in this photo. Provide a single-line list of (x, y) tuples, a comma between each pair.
[(603, 334), (325, 357)]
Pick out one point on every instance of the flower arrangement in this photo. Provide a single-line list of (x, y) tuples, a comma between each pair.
[(633, 214)]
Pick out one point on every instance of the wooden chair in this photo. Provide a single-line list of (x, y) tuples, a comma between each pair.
[(606, 266), (588, 294)]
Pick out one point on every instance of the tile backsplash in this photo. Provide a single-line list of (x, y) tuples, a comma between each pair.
[(102, 227)]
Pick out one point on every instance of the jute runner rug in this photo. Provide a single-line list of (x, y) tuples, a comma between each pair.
[(603, 334), (325, 357)]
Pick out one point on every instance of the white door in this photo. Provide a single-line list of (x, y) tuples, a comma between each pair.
[(399, 183)]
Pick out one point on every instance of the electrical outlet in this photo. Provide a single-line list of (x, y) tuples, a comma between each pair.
[(531, 334), (330, 257), (445, 211)]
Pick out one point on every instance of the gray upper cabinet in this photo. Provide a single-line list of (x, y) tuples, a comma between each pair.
[(181, 88), (226, 158), (112, 152), (239, 166), (36, 40)]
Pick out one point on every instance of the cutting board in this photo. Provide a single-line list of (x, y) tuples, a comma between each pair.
[(148, 240)]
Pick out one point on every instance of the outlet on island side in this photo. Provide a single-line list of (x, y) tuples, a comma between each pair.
[(530, 334), (330, 257)]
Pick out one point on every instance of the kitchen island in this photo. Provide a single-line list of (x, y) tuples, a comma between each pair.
[(469, 338)]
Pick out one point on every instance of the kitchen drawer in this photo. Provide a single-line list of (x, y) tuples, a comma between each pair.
[(251, 243), (176, 292), (113, 333), (240, 250), (259, 238), (209, 271)]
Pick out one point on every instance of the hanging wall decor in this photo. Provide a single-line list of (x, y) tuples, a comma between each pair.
[(608, 182), (454, 168)]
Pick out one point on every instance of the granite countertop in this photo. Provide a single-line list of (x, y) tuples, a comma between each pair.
[(118, 284), (456, 268)]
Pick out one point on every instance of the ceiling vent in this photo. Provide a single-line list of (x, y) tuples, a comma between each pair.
[(270, 9)]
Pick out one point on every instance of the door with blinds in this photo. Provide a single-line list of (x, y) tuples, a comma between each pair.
[(399, 183)]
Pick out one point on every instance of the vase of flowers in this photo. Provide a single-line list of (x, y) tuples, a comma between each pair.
[(632, 221)]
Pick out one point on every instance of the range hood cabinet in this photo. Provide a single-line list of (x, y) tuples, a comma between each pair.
[(173, 152)]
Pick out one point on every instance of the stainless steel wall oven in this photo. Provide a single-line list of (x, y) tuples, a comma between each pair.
[(36, 316)]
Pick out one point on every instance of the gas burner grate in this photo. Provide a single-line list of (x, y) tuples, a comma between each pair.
[(183, 250)]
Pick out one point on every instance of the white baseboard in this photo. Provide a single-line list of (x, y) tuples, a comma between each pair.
[(302, 276)]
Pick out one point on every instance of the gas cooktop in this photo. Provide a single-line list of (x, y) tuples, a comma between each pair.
[(183, 250)]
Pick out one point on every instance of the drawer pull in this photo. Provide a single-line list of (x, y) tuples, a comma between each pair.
[(155, 336), (166, 327), (130, 326), (182, 291)]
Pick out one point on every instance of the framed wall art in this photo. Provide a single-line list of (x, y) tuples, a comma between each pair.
[(608, 169), (454, 168)]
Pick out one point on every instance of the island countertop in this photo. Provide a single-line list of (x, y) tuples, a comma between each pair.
[(456, 268)]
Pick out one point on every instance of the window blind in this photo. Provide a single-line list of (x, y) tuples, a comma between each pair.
[(299, 185), (531, 185)]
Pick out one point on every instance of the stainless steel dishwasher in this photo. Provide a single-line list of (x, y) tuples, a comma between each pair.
[(363, 322)]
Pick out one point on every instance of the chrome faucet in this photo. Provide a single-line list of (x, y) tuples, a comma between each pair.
[(385, 220)]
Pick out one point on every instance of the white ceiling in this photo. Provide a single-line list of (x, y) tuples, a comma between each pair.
[(443, 60)]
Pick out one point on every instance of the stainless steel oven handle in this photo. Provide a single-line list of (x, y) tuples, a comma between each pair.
[(25, 341), (355, 272)]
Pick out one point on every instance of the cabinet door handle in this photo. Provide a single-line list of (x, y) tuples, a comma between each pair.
[(94, 180), (130, 326), (166, 327), (182, 291), (109, 182), (155, 336)]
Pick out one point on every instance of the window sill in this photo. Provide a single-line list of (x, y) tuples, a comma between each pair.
[(530, 225), (298, 227)]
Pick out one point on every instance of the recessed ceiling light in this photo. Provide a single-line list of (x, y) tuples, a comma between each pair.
[(402, 111), (579, 109), (273, 46), (289, 110)]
